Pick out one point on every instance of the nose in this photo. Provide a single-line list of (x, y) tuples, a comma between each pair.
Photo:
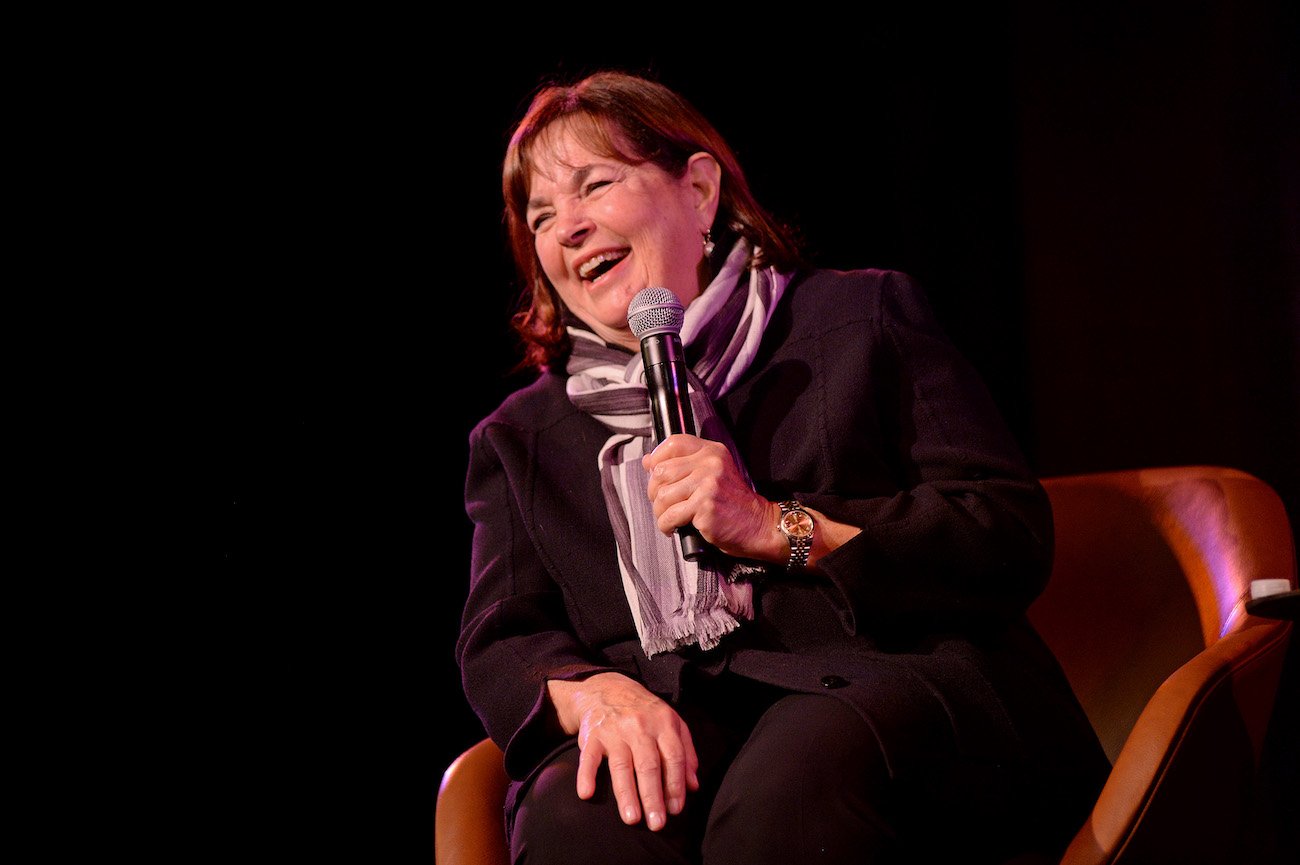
[(572, 225)]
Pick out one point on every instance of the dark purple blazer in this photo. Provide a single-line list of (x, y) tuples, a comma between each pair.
[(859, 406)]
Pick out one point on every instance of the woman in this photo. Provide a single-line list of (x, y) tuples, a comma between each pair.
[(870, 691)]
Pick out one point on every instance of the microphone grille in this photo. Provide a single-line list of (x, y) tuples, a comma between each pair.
[(655, 310)]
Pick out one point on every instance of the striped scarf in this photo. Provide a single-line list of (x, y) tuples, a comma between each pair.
[(675, 602)]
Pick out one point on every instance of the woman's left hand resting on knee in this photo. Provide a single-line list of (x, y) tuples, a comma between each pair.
[(652, 761)]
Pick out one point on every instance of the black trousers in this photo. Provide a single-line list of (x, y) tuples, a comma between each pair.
[(785, 778)]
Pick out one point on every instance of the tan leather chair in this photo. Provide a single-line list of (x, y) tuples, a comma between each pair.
[(1146, 610)]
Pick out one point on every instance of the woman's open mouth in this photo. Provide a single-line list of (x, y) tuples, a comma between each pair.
[(594, 268)]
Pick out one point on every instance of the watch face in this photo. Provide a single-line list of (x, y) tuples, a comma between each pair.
[(797, 524)]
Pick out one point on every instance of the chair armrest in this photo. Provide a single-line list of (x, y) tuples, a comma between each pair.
[(1191, 764), (469, 822)]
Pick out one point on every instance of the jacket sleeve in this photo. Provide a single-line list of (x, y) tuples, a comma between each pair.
[(514, 630), (966, 540)]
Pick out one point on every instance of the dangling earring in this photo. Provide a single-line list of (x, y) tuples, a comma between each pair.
[(708, 243)]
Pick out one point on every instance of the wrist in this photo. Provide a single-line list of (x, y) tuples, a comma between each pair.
[(566, 695), (775, 547), (560, 693), (799, 528)]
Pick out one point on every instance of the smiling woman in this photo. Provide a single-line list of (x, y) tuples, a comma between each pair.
[(866, 689), (604, 229), (624, 131)]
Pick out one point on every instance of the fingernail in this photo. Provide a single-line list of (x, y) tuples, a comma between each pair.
[(629, 814), (674, 806), (654, 820)]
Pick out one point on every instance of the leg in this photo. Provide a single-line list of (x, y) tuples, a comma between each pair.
[(807, 787), (811, 786), (552, 825)]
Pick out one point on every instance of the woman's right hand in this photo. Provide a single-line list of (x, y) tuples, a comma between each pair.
[(652, 761)]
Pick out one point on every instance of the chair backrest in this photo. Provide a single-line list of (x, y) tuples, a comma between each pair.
[(1146, 611), (1152, 566)]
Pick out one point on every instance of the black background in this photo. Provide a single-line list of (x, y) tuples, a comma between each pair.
[(1099, 203)]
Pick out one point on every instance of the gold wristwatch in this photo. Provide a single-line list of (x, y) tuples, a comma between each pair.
[(797, 525)]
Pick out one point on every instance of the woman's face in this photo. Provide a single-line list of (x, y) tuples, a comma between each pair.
[(604, 229)]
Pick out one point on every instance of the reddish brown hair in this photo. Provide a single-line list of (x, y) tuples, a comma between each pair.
[(635, 120)]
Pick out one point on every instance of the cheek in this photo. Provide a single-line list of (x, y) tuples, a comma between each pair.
[(664, 234), (682, 245), (549, 257)]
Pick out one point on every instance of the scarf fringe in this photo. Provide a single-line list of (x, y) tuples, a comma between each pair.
[(706, 627)]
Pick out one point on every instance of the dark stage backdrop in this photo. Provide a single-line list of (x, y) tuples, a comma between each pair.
[(1098, 206)]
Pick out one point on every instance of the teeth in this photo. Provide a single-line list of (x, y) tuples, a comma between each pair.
[(592, 263)]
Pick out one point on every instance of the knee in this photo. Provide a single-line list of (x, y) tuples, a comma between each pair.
[(549, 816), (552, 825), (810, 747), (809, 784)]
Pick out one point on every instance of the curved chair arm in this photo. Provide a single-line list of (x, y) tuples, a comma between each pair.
[(1187, 761), (469, 823)]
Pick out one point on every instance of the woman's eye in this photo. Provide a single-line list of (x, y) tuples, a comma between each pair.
[(594, 185), (539, 221)]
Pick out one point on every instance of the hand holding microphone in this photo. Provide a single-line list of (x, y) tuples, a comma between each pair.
[(655, 316)]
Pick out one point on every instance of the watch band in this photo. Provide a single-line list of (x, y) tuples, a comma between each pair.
[(797, 525)]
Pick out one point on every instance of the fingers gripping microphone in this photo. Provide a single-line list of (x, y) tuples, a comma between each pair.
[(655, 316)]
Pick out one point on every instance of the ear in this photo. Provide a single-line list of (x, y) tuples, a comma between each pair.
[(704, 175)]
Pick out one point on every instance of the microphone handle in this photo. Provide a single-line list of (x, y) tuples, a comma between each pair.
[(670, 406), (694, 546)]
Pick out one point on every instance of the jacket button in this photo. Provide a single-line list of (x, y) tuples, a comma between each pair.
[(833, 681)]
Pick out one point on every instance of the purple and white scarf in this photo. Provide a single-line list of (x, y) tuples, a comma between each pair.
[(673, 601)]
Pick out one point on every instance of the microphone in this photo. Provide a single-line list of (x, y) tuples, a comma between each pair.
[(655, 316)]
